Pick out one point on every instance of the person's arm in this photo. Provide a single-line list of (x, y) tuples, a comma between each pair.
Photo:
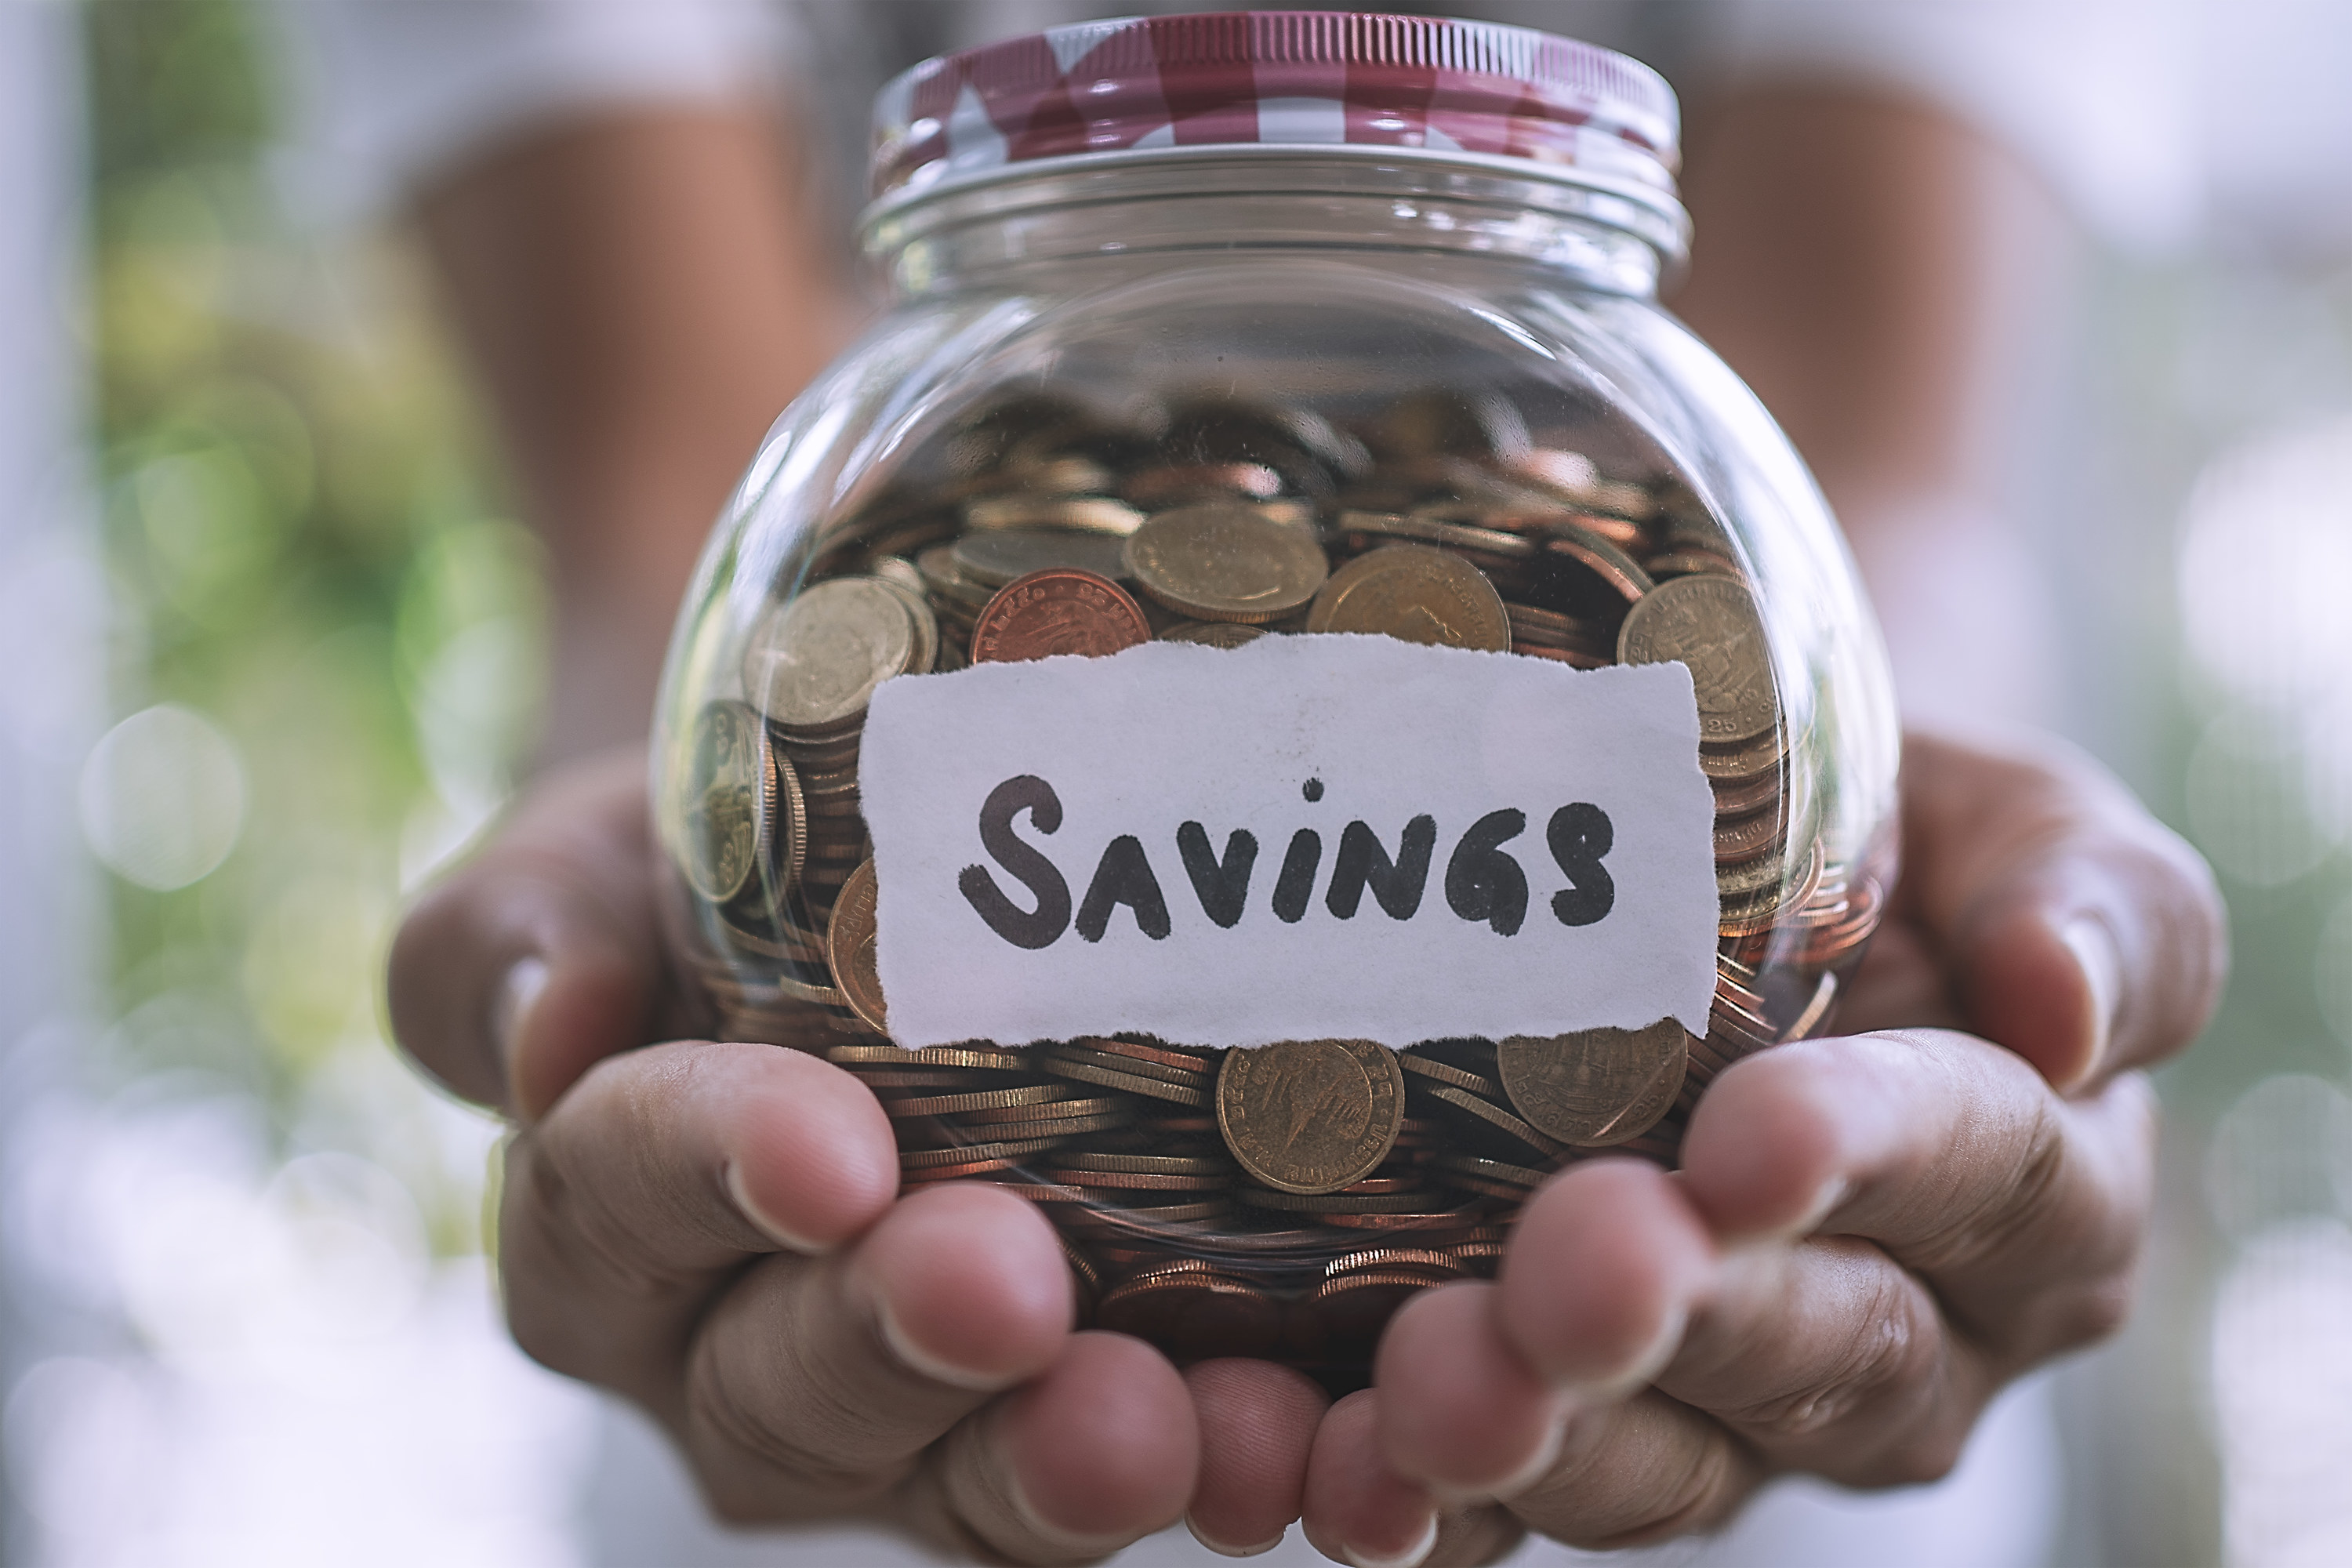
[(642, 291), (1875, 270)]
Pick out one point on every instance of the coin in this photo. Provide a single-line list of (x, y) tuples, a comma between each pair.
[(1417, 593), (1173, 484), (1057, 611), (977, 1099), (1597, 555), (1710, 625), (1222, 562), (731, 790), (812, 660), (849, 948), (1310, 1116), (997, 559), (1147, 1164), (1192, 1314), (1595, 1086), (1092, 514), (1500, 1119), (1446, 1072), (1213, 634), (1133, 1083)]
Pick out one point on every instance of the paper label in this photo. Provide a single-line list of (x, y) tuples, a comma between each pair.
[(1305, 838)]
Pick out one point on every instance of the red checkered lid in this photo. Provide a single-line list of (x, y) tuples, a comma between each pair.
[(1328, 80)]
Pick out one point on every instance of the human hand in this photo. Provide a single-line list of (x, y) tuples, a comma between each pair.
[(1869, 1235), (713, 1231)]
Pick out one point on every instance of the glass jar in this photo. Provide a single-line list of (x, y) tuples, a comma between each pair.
[(1232, 328)]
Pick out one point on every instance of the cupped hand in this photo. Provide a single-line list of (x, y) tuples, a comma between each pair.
[(714, 1232), (1869, 1235)]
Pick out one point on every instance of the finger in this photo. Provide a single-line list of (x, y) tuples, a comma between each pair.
[(2023, 1212), (1970, 1223), (540, 955), (1257, 1422), (1607, 1470), (2081, 932), (814, 1387), (1097, 1452), (660, 1177)]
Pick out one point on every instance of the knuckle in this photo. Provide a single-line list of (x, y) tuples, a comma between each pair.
[(739, 1414), (1890, 1359)]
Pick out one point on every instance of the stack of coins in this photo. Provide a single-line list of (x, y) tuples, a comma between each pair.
[(1278, 1201)]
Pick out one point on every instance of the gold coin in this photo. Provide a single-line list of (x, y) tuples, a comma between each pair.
[(813, 661), (1711, 626), (730, 791), (1224, 563), (849, 949), (1416, 593), (1596, 1087), (1310, 1116)]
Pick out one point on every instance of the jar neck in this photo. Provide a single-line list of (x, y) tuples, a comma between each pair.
[(1172, 208)]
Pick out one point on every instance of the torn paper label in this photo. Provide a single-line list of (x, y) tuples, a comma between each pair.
[(1303, 838)]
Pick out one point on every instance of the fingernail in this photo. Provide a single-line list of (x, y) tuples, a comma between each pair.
[(1824, 1204), (1224, 1549), (774, 1230), (921, 1361), (521, 987), (2093, 946), (1411, 1557)]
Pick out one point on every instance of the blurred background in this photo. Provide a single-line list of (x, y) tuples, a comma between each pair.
[(268, 645)]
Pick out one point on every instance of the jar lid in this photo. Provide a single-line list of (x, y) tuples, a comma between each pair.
[(1330, 81)]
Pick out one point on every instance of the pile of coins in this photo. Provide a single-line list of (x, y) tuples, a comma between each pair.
[(1278, 1201)]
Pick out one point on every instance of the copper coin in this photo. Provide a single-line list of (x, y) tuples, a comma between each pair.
[(1191, 1315), (1597, 555), (1417, 594), (1596, 1087), (849, 947), (1736, 797), (1394, 1258), (1057, 611), (1334, 1203), (1711, 626), (1310, 1116), (1744, 758)]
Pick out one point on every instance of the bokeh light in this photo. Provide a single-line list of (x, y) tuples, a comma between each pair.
[(162, 798)]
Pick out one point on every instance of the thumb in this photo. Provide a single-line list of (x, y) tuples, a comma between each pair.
[(540, 956)]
